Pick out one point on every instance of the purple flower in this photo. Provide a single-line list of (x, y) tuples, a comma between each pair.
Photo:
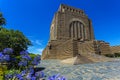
[(8, 76), (23, 73), (38, 57), (22, 63), (28, 76), (31, 71), (39, 74), (56, 77), (1, 55), (8, 51), (33, 78), (19, 76), (27, 57), (61, 78), (24, 52), (36, 60), (6, 57)]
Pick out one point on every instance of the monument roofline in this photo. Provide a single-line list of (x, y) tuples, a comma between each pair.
[(69, 8)]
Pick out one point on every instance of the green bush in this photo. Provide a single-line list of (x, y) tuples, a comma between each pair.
[(12, 71), (109, 55), (117, 54), (13, 39), (32, 55), (113, 55), (2, 19)]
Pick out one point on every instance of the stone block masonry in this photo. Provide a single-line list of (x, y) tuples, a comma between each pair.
[(72, 34)]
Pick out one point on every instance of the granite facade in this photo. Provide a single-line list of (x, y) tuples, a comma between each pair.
[(71, 33)]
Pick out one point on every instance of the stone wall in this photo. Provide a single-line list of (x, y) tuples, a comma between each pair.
[(98, 47), (102, 47), (115, 49), (58, 50), (71, 48)]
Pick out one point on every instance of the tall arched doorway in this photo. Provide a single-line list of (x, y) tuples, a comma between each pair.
[(77, 30)]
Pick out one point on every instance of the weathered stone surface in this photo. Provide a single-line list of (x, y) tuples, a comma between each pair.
[(71, 33), (115, 49), (86, 58)]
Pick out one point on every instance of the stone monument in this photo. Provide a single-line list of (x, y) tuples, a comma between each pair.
[(71, 34)]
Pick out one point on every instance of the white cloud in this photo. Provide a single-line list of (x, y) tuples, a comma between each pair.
[(35, 41), (38, 42), (37, 47), (39, 50), (35, 50)]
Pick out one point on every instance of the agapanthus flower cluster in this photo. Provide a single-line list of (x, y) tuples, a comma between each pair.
[(36, 60), (24, 52), (4, 55), (25, 59), (26, 75), (39, 74), (8, 51), (28, 71), (23, 63), (9, 76), (25, 55), (56, 77), (31, 75)]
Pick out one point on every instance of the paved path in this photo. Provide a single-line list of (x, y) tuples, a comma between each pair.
[(96, 71)]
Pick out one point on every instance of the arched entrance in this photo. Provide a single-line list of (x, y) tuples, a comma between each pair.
[(77, 30)]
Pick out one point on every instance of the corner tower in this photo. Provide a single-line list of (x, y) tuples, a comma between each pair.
[(71, 23)]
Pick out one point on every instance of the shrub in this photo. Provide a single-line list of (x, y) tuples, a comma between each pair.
[(13, 39), (117, 54), (32, 55), (2, 20), (113, 55), (109, 55), (26, 69)]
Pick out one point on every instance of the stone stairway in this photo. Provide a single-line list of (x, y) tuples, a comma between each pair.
[(86, 47), (65, 49), (75, 48)]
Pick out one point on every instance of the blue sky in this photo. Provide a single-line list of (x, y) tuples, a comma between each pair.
[(33, 18)]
